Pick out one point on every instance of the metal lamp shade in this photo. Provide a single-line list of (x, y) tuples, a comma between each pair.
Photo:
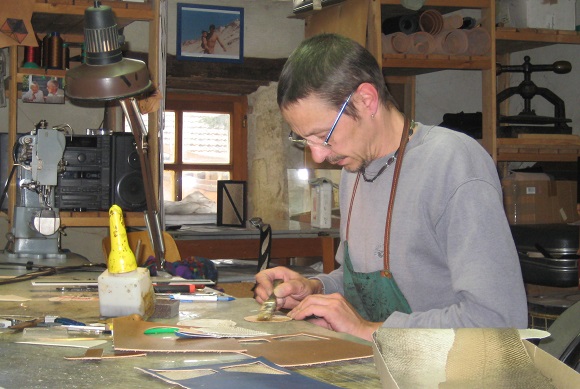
[(118, 80), (106, 75)]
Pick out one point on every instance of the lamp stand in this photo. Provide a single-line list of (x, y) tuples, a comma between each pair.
[(132, 113)]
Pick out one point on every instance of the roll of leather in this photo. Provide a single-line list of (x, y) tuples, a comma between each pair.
[(452, 21), (406, 24), (479, 41), (423, 43), (431, 21), (396, 43), (451, 42)]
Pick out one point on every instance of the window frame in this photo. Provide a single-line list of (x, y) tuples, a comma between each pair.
[(236, 107)]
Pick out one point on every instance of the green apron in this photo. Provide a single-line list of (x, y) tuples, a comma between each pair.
[(373, 295), (376, 295)]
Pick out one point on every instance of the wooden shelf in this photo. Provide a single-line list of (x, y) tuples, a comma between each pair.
[(445, 3), (393, 8), (414, 64), (53, 15), (98, 219), (538, 148), (40, 72), (510, 40)]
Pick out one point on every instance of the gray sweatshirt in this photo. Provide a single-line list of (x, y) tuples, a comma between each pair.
[(451, 251)]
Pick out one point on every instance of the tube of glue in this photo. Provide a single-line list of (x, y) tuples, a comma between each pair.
[(168, 288)]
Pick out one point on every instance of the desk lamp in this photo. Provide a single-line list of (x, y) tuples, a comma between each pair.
[(107, 76)]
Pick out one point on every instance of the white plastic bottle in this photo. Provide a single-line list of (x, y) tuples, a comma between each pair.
[(124, 288)]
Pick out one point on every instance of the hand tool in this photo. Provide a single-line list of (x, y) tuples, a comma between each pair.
[(269, 306)]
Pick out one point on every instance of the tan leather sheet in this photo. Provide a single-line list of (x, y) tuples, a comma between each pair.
[(305, 349), (96, 354), (128, 335), (297, 349)]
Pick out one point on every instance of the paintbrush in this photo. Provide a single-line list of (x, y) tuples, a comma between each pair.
[(268, 306)]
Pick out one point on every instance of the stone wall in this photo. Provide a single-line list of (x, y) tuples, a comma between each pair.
[(269, 156)]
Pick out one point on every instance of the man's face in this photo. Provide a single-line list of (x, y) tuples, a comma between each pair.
[(312, 118), (34, 88), (51, 87)]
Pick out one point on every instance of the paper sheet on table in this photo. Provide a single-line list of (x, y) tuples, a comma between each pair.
[(65, 342), (220, 332), (12, 297)]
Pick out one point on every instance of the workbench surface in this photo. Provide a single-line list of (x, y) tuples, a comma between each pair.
[(35, 366)]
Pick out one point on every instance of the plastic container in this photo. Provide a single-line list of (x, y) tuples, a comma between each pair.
[(124, 288), (125, 294)]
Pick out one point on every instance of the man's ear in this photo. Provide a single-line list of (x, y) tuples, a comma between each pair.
[(369, 98)]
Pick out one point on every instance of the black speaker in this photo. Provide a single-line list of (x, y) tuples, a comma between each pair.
[(127, 188)]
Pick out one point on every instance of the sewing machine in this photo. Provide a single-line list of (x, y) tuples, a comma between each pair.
[(35, 229)]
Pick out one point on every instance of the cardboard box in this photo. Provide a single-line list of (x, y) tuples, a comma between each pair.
[(550, 14), (434, 358), (535, 198), (321, 201)]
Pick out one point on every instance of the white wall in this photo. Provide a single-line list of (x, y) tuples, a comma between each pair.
[(454, 91), (268, 32)]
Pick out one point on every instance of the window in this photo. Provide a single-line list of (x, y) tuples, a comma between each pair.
[(204, 140)]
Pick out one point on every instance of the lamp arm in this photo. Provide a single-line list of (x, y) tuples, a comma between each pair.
[(132, 113)]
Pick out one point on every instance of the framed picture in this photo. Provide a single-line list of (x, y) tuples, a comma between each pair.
[(42, 89), (210, 33)]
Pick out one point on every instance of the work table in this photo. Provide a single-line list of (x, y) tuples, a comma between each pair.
[(289, 239), (35, 366)]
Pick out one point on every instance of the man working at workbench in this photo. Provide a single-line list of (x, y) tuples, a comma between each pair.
[(451, 258)]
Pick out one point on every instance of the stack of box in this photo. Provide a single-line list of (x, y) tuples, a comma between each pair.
[(321, 196), (554, 14), (536, 198)]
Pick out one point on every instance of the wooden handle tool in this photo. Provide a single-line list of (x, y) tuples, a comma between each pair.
[(268, 306)]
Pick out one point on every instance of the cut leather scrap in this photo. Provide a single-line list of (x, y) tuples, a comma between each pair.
[(128, 335), (96, 354), (302, 349), (248, 374)]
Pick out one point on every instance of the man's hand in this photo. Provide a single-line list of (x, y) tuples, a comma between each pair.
[(288, 294), (335, 313), (304, 297)]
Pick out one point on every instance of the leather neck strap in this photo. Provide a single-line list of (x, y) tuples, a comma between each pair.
[(404, 140), (398, 163)]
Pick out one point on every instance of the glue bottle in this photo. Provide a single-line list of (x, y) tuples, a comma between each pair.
[(124, 288)]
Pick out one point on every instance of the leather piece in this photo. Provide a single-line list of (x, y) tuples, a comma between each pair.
[(491, 358), (96, 354), (283, 350), (128, 334), (252, 374), (303, 349)]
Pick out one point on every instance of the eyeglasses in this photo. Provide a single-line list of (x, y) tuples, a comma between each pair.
[(305, 142)]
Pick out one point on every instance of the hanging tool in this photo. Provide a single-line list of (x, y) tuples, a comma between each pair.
[(265, 243)]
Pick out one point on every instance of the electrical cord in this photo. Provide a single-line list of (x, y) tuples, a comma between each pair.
[(46, 271)]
